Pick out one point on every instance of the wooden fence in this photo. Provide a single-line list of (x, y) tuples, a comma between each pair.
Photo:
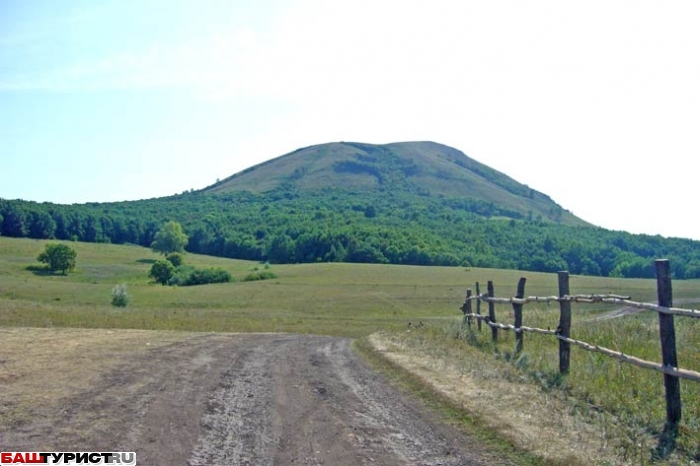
[(669, 366)]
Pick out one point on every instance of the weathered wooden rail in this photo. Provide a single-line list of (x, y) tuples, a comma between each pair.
[(669, 366)]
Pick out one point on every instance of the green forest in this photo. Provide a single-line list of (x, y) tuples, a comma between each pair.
[(290, 226)]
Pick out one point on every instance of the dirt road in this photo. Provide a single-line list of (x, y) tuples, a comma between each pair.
[(245, 400)]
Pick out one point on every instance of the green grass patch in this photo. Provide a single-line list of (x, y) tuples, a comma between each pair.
[(333, 299)]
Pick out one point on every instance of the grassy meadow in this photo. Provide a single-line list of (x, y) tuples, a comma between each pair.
[(327, 298), (356, 300), (336, 299)]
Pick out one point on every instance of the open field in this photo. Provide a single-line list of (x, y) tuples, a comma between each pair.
[(334, 299), (350, 300), (356, 300)]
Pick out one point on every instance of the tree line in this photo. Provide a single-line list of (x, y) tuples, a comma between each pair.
[(286, 226)]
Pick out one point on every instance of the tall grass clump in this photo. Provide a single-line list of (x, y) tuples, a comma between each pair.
[(120, 297)]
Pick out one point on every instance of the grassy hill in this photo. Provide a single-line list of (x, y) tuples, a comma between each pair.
[(413, 168), (413, 203)]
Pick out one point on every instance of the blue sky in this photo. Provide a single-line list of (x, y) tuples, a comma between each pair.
[(595, 103)]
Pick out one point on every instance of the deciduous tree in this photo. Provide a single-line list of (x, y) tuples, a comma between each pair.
[(169, 239), (58, 257)]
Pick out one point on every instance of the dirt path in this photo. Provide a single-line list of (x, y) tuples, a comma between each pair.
[(245, 400), (629, 310)]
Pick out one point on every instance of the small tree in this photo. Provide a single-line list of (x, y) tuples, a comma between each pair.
[(169, 239), (120, 298), (175, 258), (58, 257), (162, 271)]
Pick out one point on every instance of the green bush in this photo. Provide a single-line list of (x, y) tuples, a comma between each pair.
[(188, 275), (175, 258), (251, 277), (181, 275), (162, 271)]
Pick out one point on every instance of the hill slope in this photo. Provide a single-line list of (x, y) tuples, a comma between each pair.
[(405, 203), (409, 168)]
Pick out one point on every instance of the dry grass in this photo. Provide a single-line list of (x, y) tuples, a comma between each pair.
[(535, 421), (40, 367), (575, 420)]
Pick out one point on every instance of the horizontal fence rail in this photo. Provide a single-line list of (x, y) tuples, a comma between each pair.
[(591, 298), (676, 372), (664, 308)]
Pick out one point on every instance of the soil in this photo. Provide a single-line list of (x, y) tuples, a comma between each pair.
[(264, 399), (629, 310)]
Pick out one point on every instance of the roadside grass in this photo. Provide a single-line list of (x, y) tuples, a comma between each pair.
[(633, 395), (489, 441), (625, 403), (356, 300)]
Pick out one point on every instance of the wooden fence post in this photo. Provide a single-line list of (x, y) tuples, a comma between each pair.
[(668, 348), (518, 313), (478, 307), (492, 312), (564, 328), (467, 309)]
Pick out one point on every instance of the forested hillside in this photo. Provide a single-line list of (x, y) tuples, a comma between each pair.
[(287, 225)]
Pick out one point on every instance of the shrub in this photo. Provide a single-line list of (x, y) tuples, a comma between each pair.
[(251, 277), (181, 275), (162, 271), (190, 276), (120, 298), (175, 258)]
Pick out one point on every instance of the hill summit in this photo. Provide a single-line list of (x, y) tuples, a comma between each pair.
[(414, 168), (410, 203)]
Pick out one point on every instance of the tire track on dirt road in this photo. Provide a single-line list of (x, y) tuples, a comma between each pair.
[(248, 399)]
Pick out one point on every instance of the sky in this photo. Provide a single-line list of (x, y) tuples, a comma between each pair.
[(595, 103)]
